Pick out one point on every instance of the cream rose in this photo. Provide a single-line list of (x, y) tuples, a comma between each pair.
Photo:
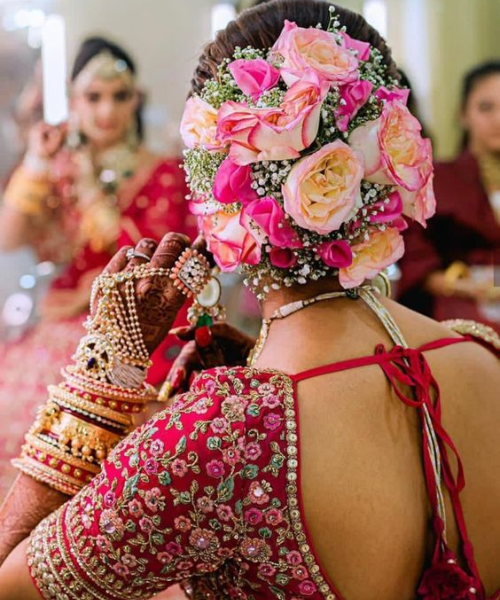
[(227, 239), (311, 48), (321, 190), (199, 124), (394, 150), (382, 249)]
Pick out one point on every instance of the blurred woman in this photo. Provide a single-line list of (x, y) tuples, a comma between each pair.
[(82, 189), (448, 270)]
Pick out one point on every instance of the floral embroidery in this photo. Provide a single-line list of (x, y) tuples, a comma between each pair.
[(205, 494)]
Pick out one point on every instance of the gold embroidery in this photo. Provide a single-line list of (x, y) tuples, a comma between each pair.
[(477, 330)]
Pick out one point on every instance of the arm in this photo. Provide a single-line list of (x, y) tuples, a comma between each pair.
[(28, 188), (27, 503), (66, 466), (163, 510)]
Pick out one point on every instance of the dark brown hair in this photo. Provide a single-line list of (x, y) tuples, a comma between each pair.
[(261, 26), (470, 81), (95, 45)]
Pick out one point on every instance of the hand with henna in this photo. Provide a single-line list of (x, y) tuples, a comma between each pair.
[(157, 299), (158, 302), (207, 347)]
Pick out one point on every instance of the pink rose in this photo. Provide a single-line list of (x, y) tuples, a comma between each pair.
[(387, 210), (383, 248), (230, 243), (254, 76), (389, 95), (233, 183), (394, 150), (270, 217), (283, 258), (257, 134), (311, 48), (199, 124), (362, 48), (321, 189), (353, 97), (420, 205), (336, 254)]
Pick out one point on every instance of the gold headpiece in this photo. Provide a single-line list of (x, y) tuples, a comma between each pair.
[(104, 66)]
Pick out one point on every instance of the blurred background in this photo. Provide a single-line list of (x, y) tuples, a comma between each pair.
[(435, 41)]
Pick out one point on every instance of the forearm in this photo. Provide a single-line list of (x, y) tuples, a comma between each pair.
[(27, 503), (14, 229), (24, 203), (451, 283)]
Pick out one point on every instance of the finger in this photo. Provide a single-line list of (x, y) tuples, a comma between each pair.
[(118, 262), (200, 244), (169, 249), (186, 363), (146, 247), (184, 333), (208, 349)]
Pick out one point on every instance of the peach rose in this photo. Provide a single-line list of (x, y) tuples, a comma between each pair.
[(420, 205), (382, 249), (257, 134), (311, 48), (199, 124), (230, 243), (321, 190), (394, 150)]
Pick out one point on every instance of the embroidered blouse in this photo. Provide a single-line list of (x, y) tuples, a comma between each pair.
[(207, 494)]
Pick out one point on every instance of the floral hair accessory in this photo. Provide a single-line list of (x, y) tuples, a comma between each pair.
[(304, 161)]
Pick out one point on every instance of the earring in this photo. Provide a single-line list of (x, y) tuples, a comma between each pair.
[(74, 138), (132, 135)]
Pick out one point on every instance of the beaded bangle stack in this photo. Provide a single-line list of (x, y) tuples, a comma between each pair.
[(77, 428), (27, 193), (93, 408)]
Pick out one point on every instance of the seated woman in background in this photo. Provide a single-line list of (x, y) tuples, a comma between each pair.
[(81, 191), (448, 270), (332, 466)]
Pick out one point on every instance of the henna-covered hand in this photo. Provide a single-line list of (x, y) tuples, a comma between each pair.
[(220, 345), (158, 300)]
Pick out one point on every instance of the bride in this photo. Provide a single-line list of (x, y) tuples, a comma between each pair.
[(356, 455)]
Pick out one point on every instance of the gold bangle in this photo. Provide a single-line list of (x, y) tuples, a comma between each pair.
[(26, 194), (89, 409), (34, 444), (457, 270)]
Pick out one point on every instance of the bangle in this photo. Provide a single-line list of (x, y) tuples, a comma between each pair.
[(26, 193), (35, 165), (457, 270), (77, 428)]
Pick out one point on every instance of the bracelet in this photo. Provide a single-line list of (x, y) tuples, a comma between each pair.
[(457, 270), (26, 193), (76, 430), (36, 165)]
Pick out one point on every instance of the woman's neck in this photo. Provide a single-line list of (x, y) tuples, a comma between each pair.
[(275, 299)]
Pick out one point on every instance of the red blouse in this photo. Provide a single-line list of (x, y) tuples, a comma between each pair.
[(208, 494)]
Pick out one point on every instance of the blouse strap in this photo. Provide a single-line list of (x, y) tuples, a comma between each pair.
[(384, 316)]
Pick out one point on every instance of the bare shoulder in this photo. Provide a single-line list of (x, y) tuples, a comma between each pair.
[(419, 330)]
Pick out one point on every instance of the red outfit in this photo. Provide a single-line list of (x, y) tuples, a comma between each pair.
[(464, 229), (208, 494), (150, 206)]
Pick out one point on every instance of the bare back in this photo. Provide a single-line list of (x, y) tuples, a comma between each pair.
[(362, 481)]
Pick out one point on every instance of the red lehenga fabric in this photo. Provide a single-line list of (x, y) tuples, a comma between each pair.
[(156, 205), (207, 494)]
